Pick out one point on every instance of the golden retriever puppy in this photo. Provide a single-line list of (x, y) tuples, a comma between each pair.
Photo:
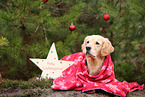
[(96, 48)]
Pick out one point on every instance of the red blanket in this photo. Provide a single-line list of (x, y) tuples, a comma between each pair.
[(76, 77)]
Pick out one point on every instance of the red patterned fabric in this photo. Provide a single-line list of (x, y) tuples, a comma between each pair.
[(76, 77)]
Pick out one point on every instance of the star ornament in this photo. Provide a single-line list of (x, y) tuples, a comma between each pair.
[(52, 67)]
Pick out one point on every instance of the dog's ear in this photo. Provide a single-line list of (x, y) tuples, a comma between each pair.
[(107, 48)]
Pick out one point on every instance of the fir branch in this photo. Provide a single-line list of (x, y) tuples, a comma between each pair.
[(25, 5), (23, 8), (4, 28), (45, 34), (16, 27), (59, 3), (37, 28)]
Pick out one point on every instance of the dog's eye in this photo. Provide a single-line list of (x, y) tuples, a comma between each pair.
[(87, 41), (97, 43)]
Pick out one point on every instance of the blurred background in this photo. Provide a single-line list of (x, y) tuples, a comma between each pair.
[(29, 27)]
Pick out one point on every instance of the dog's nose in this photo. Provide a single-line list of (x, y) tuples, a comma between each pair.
[(88, 48)]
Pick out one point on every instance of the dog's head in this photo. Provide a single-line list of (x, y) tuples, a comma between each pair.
[(97, 45)]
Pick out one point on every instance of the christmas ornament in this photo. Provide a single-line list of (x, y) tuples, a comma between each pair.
[(106, 17), (52, 67), (72, 27), (45, 1)]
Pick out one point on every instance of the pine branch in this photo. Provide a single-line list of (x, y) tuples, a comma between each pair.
[(16, 28), (60, 3), (37, 28), (45, 34)]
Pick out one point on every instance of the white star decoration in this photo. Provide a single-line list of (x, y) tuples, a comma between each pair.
[(51, 67)]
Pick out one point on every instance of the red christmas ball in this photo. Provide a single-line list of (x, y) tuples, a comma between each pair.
[(106, 17), (72, 27), (45, 1)]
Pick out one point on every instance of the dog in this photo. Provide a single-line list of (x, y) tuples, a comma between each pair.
[(96, 48)]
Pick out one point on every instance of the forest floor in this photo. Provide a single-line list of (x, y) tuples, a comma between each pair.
[(41, 88), (18, 92)]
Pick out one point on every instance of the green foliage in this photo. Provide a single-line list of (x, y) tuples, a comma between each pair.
[(29, 27), (3, 42), (130, 72)]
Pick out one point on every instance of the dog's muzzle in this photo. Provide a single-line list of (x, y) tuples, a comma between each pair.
[(88, 50)]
